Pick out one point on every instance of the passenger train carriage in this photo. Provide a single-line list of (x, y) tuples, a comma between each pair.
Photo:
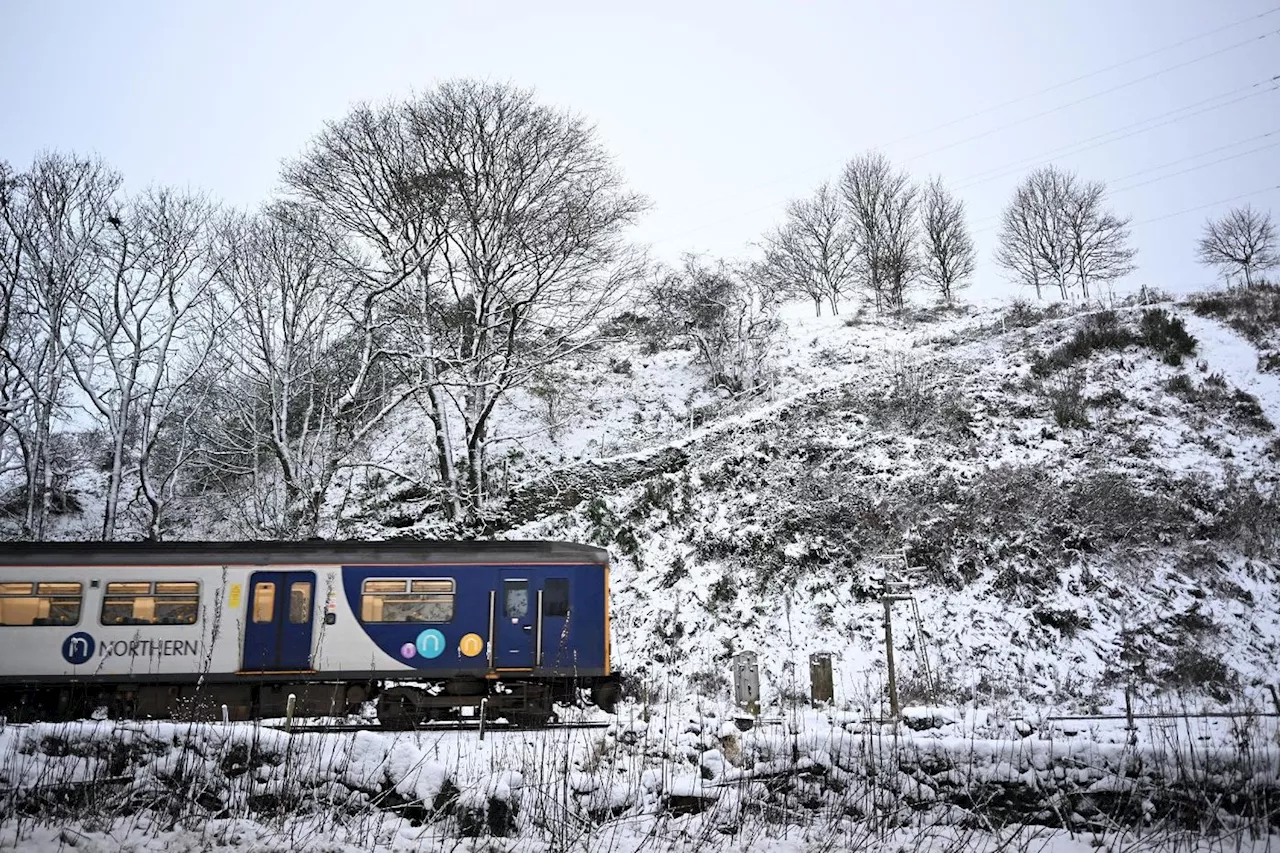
[(424, 628)]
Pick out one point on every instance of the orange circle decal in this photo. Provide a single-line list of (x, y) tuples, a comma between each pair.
[(471, 645)]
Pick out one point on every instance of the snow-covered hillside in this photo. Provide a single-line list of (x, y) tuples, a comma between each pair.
[(1082, 516)]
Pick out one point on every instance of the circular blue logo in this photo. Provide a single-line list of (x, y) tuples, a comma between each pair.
[(430, 643), (78, 648)]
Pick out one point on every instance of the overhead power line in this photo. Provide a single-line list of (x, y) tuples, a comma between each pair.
[(1038, 93), (1124, 132), (1107, 91), (1210, 204), (987, 223), (1095, 73), (1198, 168)]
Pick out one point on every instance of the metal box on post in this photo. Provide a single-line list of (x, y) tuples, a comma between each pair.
[(746, 682)]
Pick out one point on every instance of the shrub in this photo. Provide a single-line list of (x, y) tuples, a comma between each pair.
[(1099, 332), (1066, 397), (1167, 336)]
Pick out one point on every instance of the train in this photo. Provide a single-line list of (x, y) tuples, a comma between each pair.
[(425, 630)]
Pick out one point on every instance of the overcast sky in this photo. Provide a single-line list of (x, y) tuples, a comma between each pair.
[(718, 111)]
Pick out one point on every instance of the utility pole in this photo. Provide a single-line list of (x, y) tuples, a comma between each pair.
[(897, 589)]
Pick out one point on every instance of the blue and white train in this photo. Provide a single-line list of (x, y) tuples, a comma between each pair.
[(426, 629)]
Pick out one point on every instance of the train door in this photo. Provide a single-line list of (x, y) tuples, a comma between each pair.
[(531, 625), (278, 623), (515, 621)]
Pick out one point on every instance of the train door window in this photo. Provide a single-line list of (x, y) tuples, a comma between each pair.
[(300, 602), (555, 597), (147, 603), (50, 603), (264, 601), (515, 599), (414, 600)]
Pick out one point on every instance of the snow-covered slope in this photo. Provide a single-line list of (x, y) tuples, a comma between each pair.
[(1079, 521)]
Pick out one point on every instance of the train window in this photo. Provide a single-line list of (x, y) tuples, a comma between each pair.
[(407, 600), (515, 599), (264, 601), (300, 602), (555, 597), (50, 603), (147, 603)]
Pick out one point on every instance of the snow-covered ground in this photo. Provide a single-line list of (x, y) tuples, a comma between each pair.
[(672, 776)]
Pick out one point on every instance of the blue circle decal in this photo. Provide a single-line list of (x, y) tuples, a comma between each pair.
[(430, 643), (78, 648)]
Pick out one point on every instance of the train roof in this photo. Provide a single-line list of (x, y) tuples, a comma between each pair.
[(346, 552)]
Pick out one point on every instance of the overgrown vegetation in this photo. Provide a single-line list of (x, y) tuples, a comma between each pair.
[(1103, 331)]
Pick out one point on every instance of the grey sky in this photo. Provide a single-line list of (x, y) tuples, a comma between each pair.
[(719, 111)]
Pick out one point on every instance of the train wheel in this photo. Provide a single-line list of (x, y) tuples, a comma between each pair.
[(398, 708)]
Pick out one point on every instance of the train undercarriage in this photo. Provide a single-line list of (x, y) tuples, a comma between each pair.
[(399, 704)]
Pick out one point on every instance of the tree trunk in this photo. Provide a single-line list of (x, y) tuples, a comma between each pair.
[(445, 467)]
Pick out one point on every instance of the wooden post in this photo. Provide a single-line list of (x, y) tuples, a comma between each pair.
[(821, 681), (894, 711)]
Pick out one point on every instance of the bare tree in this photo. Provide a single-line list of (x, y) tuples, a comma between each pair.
[(881, 204), (1056, 230), (948, 254), (371, 180), (54, 215), (135, 319), (1017, 247), (1099, 239), (728, 317), (534, 250), (287, 321), (813, 252), (1242, 242)]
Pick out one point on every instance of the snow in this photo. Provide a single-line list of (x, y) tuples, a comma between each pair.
[(801, 784)]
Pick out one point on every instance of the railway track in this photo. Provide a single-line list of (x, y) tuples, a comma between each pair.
[(449, 726)]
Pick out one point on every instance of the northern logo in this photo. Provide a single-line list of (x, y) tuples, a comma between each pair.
[(78, 648)]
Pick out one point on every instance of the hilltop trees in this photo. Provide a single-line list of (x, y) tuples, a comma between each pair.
[(1243, 243), (1056, 231), (879, 231), (814, 252), (947, 252), (881, 205)]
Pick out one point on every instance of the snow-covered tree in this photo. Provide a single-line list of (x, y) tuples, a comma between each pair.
[(140, 338), (53, 217), (1057, 230), (729, 318)]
